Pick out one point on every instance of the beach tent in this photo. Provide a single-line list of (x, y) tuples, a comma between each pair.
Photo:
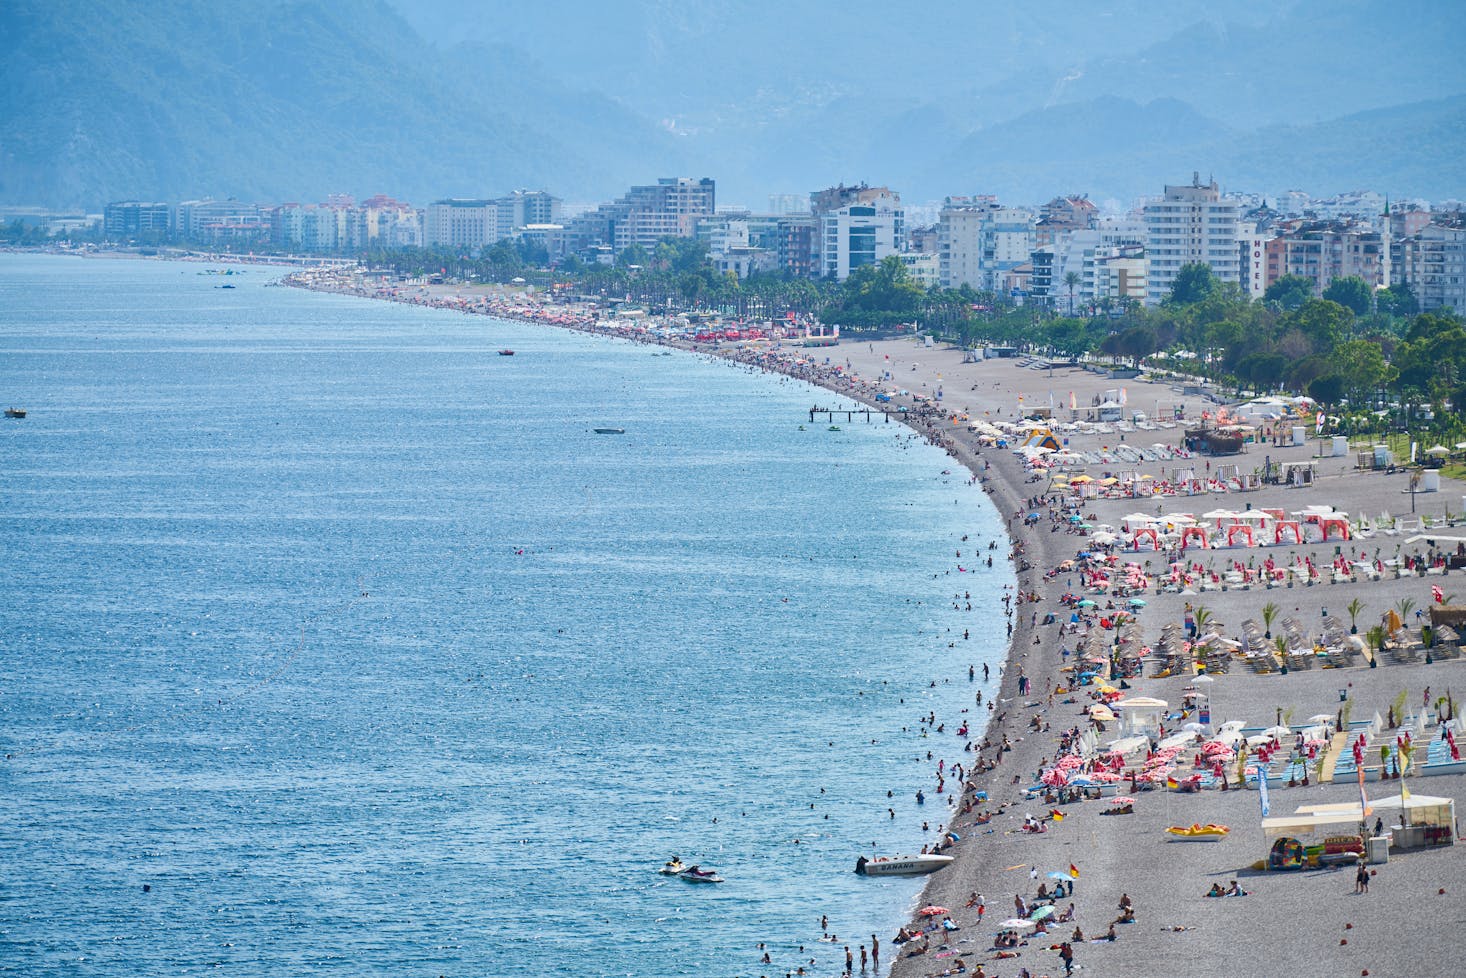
[(1287, 526), (1337, 525), (1042, 438), (1196, 533), (1146, 531), (1240, 528)]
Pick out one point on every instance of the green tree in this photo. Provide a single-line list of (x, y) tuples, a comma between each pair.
[(1289, 292), (1072, 280), (1193, 283), (1328, 389), (1362, 368), (1351, 292), (1397, 300), (1326, 324)]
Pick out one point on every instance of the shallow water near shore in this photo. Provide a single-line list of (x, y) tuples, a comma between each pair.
[(353, 642)]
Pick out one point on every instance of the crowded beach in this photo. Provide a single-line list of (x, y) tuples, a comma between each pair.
[(1229, 720)]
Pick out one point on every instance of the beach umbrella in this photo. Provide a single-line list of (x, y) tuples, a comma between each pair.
[(1137, 603), (1123, 800), (1017, 923), (1060, 876), (1040, 913), (1086, 603), (933, 911), (1204, 679)]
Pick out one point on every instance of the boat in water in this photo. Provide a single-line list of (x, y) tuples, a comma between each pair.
[(15, 412), (609, 431), (672, 867), (696, 874), (901, 865), (506, 353)]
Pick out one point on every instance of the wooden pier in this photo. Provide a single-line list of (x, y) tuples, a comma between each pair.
[(831, 415)]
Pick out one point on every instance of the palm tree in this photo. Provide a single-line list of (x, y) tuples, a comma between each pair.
[(1281, 644), (1202, 618), (1376, 636), (1071, 279), (1354, 608), (1403, 607), (1269, 615)]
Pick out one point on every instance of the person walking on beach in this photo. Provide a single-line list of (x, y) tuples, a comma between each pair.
[(1066, 955), (1361, 879)]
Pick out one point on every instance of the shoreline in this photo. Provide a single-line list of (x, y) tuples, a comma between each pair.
[(999, 484), (1119, 856)]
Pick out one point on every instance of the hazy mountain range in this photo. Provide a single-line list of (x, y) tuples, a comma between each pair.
[(291, 100)]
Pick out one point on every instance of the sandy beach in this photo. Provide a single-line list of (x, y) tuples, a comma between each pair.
[(1307, 922)]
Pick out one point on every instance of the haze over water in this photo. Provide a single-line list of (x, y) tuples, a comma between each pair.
[(349, 639)]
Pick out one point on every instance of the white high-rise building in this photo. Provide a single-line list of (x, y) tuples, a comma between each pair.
[(1191, 224), (459, 223), (855, 226)]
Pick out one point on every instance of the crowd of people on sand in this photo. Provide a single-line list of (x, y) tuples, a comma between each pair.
[(978, 742)]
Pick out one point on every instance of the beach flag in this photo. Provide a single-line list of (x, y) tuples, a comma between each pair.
[(1172, 783), (1404, 791), (1073, 872), (1318, 423), (1437, 594), (1262, 790), (1056, 815), (1124, 397), (1363, 798), (1073, 404)]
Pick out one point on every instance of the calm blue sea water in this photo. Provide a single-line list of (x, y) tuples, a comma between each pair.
[(347, 638)]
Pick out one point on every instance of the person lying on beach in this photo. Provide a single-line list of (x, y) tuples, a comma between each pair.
[(1236, 889), (1216, 890), (1178, 928)]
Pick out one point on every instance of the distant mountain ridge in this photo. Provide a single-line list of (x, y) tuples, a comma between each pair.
[(295, 99), (282, 99)]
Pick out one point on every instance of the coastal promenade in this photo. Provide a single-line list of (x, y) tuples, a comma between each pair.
[(1299, 923)]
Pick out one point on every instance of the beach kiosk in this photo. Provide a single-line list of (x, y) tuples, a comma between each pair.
[(1416, 822), (1322, 833), (1140, 715)]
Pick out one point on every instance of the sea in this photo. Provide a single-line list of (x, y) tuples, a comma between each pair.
[(332, 642)]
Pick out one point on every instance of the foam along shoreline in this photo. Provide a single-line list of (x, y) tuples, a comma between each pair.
[(1123, 855)]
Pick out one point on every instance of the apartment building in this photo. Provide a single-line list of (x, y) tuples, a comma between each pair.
[(980, 241), (457, 222), (131, 218), (855, 226), (669, 208), (1322, 251), (1191, 223), (1433, 264)]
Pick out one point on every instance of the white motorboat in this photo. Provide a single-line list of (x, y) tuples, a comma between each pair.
[(696, 874), (672, 867), (901, 865)]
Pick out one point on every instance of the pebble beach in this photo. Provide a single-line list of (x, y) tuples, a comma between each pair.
[(1304, 922)]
